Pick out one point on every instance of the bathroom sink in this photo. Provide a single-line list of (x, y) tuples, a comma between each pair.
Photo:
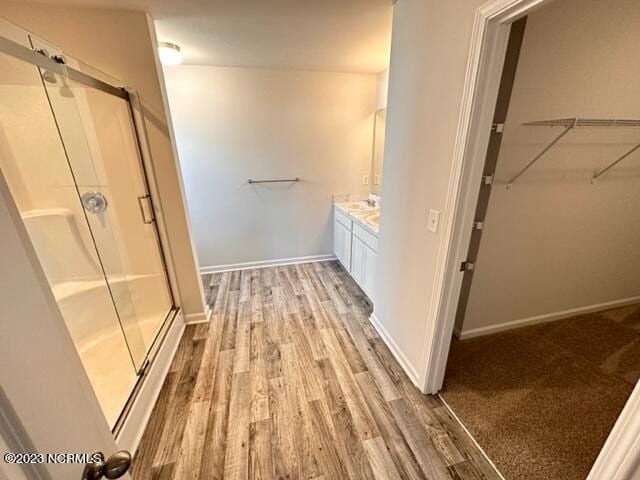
[(363, 212), (370, 218), (357, 206), (374, 219)]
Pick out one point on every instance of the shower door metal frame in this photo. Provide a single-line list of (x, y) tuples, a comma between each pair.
[(57, 64), (40, 59)]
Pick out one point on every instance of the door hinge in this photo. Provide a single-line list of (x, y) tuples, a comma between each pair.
[(478, 225), (497, 127), (467, 266), (487, 179)]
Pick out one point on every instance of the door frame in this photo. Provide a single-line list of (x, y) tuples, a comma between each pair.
[(620, 456)]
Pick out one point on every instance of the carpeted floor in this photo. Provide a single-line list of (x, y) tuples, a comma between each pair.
[(541, 400)]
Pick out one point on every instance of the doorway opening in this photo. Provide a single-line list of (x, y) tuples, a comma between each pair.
[(548, 322)]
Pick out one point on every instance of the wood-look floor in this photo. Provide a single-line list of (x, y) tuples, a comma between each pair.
[(290, 381)]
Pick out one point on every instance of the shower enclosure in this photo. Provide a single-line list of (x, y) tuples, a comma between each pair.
[(70, 155)]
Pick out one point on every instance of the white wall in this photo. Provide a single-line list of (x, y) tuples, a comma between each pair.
[(383, 90), (233, 124), (429, 51), (555, 242)]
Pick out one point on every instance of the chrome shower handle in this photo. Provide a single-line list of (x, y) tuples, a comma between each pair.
[(94, 202), (143, 212)]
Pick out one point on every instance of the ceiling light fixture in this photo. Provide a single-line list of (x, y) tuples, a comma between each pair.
[(170, 54)]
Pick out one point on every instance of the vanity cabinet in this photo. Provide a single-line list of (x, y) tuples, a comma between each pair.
[(356, 248), (364, 256), (363, 265), (369, 274), (342, 239)]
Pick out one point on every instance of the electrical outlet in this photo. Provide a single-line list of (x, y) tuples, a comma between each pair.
[(434, 219), (365, 179)]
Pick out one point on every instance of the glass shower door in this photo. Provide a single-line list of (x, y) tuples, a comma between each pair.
[(97, 130), (35, 167)]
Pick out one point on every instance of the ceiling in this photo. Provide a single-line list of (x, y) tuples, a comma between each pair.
[(329, 35)]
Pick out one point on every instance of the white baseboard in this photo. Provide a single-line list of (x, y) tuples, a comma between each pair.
[(266, 263), (395, 350), (131, 432), (547, 317)]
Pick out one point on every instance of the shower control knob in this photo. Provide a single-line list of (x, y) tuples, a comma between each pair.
[(113, 467), (94, 202)]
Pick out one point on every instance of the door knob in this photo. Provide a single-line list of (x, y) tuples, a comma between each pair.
[(94, 202), (113, 467)]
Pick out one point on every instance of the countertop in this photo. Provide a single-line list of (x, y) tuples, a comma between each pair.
[(363, 213)]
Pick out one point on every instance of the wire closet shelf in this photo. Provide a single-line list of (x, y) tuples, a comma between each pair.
[(569, 124)]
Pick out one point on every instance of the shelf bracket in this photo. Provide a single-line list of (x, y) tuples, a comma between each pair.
[(601, 172), (497, 127), (467, 266), (566, 130)]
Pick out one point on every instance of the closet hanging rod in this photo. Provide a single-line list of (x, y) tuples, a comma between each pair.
[(569, 124), (283, 180)]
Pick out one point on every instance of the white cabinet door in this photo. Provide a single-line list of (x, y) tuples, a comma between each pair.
[(342, 244), (369, 271), (346, 252), (363, 265), (357, 260), (338, 239)]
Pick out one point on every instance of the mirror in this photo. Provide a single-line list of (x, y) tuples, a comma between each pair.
[(379, 121)]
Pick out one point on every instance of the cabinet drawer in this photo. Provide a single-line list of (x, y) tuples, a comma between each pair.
[(367, 237), (342, 218)]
